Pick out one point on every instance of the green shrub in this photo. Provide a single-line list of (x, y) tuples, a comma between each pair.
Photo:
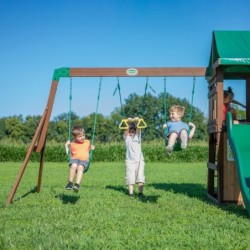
[(113, 152)]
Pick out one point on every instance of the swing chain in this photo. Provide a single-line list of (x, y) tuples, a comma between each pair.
[(191, 106), (96, 112), (119, 90), (70, 111), (165, 99)]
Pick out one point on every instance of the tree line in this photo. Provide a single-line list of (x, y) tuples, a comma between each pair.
[(151, 108)]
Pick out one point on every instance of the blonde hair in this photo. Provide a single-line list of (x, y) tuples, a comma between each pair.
[(179, 109)]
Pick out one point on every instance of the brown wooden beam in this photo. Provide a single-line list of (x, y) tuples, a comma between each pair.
[(137, 72), (42, 138), (26, 160), (40, 170)]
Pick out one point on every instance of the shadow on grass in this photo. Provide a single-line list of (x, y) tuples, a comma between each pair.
[(198, 191), (68, 199), (32, 191), (189, 189), (149, 198), (144, 199), (118, 188)]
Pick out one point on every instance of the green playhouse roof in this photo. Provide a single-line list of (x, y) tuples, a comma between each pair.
[(230, 51)]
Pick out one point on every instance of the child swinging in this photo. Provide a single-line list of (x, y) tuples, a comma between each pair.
[(176, 130)]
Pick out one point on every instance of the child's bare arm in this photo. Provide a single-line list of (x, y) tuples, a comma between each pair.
[(164, 129), (138, 130), (126, 131), (164, 125), (67, 147), (238, 103), (125, 134)]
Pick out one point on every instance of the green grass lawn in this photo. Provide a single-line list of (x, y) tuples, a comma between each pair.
[(175, 213)]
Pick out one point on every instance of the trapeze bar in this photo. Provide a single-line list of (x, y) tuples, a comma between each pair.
[(124, 124)]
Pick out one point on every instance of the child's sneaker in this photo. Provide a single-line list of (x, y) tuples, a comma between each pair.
[(69, 186), (169, 150), (131, 195), (76, 188), (141, 195)]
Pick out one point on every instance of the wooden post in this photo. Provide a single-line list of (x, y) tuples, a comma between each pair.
[(219, 165), (41, 141), (26, 160), (40, 171), (211, 165), (219, 124)]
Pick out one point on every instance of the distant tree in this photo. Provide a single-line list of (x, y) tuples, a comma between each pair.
[(30, 125), (2, 128), (115, 118), (149, 107), (59, 127), (101, 129), (14, 128)]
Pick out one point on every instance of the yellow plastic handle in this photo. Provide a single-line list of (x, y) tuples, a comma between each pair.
[(123, 124), (141, 123)]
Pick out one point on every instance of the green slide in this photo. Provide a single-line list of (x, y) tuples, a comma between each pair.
[(239, 139)]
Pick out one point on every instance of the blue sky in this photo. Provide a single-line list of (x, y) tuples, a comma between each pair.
[(40, 36)]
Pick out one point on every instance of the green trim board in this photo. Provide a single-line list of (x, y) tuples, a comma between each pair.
[(239, 139)]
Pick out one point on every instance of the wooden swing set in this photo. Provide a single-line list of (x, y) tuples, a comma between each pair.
[(38, 142)]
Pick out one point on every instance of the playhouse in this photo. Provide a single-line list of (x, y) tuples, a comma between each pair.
[(229, 59)]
